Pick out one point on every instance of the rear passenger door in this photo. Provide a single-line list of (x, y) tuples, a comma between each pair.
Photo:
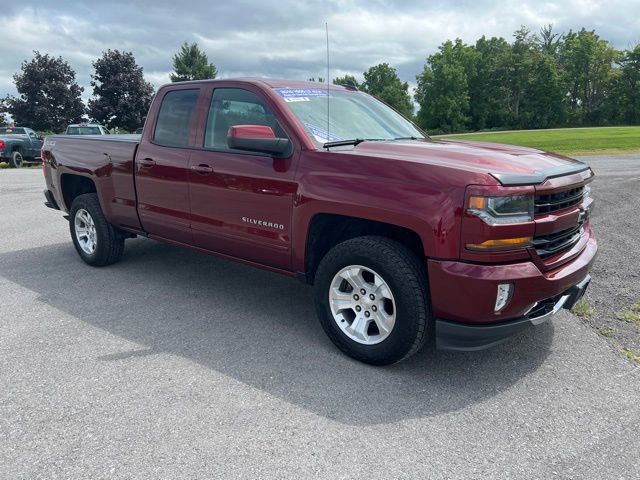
[(162, 167)]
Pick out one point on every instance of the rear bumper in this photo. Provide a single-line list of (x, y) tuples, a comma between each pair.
[(465, 337)]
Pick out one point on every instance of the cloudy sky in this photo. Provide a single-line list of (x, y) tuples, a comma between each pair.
[(285, 38)]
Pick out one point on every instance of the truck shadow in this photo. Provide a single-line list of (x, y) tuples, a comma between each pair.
[(260, 329)]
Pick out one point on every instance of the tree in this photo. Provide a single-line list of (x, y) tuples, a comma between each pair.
[(625, 98), (121, 96), (347, 81), (191, 63), (382, 82), (49, 97), (547, 40), (443, 91), (586, 65), (487, 98), (3, 111)]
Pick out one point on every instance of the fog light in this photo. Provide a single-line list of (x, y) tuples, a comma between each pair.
[(504, 295)]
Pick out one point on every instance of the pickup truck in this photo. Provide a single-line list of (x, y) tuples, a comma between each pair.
[(19, 145), (406, 240), (86, 129)]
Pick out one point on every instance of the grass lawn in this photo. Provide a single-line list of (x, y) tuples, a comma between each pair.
[(568, 141)]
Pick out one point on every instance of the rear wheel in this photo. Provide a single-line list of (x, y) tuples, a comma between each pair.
[(372, 300), (97, 242), (15, 160)]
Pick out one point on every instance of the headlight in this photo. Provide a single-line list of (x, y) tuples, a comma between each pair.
[(502, 210)]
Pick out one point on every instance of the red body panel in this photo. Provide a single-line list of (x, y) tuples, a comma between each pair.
[(258, 209)]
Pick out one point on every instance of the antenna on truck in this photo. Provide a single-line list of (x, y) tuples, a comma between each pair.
[(326, 27)]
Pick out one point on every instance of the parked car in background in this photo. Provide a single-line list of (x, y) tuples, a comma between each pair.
[(86, 129), (19, 145), (138, 131)]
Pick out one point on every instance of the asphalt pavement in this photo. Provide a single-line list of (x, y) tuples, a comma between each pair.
[(174, 364)]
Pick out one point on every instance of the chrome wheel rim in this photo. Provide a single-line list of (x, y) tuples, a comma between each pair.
[(85, 231), (362, 304)]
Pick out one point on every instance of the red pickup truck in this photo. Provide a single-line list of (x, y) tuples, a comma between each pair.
[(405, 239)]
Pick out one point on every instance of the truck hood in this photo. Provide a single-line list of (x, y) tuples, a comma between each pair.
[(509, 164)]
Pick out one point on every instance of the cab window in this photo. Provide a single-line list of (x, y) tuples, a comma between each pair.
[(235, 106), (174, 118)]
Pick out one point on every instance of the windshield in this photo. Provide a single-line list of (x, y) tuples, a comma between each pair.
[(12, 131), (353, 115), (83, 131)]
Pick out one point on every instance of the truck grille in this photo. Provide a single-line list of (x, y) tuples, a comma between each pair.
[(552, 202), (547, 245)]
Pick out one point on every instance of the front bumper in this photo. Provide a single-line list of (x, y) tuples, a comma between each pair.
[(463, 296), (465, 337)]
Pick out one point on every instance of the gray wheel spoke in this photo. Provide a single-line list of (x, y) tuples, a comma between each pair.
[(354, 277), (359, 327), (341, 300)]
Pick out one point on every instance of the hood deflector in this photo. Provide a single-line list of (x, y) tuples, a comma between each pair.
[(520, 179)]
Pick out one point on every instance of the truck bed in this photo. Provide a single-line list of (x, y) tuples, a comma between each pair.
[(108, 160)]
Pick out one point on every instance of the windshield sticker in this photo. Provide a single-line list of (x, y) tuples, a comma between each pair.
[(321, 135), (300, 94)]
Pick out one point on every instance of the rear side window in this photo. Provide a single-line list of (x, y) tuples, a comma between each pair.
[(174, 118)]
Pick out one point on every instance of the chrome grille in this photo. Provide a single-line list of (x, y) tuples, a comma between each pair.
[(552, 202), (548, 245)]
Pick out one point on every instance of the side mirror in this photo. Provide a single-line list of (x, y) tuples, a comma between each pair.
[(256, 138)]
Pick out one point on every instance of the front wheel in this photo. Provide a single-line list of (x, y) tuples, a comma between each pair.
[(15, 161), (97, 242), (371, 297)]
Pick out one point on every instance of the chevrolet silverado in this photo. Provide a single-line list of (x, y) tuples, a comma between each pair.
[(405, 239)]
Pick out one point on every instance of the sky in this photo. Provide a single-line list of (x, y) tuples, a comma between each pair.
[(284, 38)]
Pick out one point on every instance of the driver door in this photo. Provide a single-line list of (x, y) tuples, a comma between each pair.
[(36, 144), (241, 202)]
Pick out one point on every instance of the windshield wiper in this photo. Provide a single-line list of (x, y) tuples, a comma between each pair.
[(357, 141), (341, 143)]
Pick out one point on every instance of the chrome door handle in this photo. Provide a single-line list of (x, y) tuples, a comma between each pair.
[(202, 169), (146, 162)]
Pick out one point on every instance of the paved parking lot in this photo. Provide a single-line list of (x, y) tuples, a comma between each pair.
[(173, 364)]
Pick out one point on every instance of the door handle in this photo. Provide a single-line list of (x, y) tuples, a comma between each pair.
[(146, 162), (202, 169)]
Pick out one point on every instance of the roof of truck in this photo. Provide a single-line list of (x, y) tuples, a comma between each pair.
[(270, 82)]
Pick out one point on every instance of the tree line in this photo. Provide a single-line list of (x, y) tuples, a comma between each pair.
[(539, 80), (49, 97)]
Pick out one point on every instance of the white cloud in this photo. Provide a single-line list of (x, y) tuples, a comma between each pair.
[(287, 38)]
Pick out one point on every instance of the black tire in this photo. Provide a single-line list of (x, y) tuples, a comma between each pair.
[(109, 244), (15, 160), (405, 275)]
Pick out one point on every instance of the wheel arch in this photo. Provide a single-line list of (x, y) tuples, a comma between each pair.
[(325, 230), (73, 185)]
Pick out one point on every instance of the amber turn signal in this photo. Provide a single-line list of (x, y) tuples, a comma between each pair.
[(501, 244)]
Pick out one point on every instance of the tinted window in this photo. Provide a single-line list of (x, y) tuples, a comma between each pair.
[(83, 131), (12, 131), (234, 106), (174, 118)]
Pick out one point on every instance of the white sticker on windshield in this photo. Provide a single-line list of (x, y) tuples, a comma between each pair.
[(300, 94), (321, 136)]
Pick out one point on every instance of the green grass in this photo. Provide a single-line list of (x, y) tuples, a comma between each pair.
[(606, 332), (582, 308), (632, 314), (568, 141)]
